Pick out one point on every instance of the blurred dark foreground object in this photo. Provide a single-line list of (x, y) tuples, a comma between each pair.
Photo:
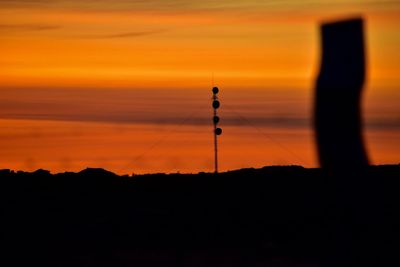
[(358, 231), (339, 85)]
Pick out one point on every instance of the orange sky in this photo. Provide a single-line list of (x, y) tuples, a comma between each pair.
[(103, 44), (78, 49)]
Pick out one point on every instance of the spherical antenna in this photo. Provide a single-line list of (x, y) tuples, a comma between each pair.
[(215, 119), (218, 131), (216, 104), (215, 90)]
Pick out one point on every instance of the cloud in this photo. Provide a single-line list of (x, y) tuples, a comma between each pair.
[(133, 107), (163, 5), (124, 34), (23, 3), (27, 27)]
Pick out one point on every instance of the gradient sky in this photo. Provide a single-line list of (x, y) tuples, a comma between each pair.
[(146, 67)]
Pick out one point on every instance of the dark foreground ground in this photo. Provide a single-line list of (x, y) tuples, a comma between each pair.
[(274, 216)]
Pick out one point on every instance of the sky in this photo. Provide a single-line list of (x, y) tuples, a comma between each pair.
[(126, 85)]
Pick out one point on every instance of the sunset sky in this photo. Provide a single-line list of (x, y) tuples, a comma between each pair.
[(126, 85)]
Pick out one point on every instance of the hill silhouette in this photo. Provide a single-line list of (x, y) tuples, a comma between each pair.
[(273, 216)]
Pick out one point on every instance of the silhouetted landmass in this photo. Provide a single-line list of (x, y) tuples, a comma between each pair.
[(274, 216)]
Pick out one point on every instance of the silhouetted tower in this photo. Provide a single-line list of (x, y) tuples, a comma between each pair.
[(217, 130)]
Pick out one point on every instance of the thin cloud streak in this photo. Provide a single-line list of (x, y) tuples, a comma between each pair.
[(27, 27), (185, 5), (162, 107), (124, 35), (274, 122)]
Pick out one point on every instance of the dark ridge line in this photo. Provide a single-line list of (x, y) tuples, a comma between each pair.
[(103, 172)]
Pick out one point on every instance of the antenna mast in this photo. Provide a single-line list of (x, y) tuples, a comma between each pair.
[(217, 130)]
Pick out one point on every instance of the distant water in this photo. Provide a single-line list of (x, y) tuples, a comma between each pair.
[(141, 131)]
